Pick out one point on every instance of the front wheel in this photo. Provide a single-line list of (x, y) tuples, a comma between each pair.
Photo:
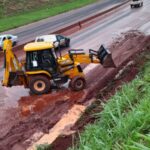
[(77, 83), (39, 84)]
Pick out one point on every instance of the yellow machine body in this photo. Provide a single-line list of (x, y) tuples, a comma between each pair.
[(11, 65), (42, 66)]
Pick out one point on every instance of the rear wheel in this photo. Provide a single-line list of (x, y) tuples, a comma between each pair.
[(39, 84), (77, 83)]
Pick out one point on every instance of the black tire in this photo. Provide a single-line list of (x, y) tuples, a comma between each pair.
[(131, 6), (39, 84), (77, 83)]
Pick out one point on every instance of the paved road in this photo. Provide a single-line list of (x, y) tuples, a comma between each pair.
[(29, 32)]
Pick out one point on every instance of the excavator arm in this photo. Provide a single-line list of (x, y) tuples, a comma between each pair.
[(70, 64), (13, 72), (102, 56)]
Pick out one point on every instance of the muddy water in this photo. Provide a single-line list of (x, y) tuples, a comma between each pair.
[(9, 112), (9, 96), (46, 110)]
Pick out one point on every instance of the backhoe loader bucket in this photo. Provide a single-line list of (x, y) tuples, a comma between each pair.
[(105, 57)]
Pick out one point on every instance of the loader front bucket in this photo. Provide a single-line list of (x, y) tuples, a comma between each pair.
[(105, 57)]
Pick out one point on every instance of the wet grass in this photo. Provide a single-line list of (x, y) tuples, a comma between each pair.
[(9, 22), (124, 124), (43, 147)]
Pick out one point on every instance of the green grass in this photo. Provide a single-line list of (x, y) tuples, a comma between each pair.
[(124, 124), (43, 147), (23, 18)]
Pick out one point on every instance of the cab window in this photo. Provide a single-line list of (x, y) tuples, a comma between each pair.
[(32, 61), (41, 60)]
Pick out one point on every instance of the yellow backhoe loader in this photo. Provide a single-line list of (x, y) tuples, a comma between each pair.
[(43, 66)]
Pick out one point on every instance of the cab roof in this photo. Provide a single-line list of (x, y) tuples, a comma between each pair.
[(37, 46)]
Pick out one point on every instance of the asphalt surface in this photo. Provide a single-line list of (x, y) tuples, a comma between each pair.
[(106, 30), (29, 32)]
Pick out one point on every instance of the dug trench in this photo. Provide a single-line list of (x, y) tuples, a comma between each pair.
[(38, 114)]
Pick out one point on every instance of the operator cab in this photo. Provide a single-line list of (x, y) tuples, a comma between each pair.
[(42, 67), (41, 56)]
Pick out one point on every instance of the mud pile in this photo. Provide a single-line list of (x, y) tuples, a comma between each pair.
[(42, 112)]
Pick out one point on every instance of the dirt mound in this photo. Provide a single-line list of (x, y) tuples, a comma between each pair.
[(46, 110)]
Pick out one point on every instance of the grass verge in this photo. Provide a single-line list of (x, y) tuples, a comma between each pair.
[(124, 123), (23, 18)]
